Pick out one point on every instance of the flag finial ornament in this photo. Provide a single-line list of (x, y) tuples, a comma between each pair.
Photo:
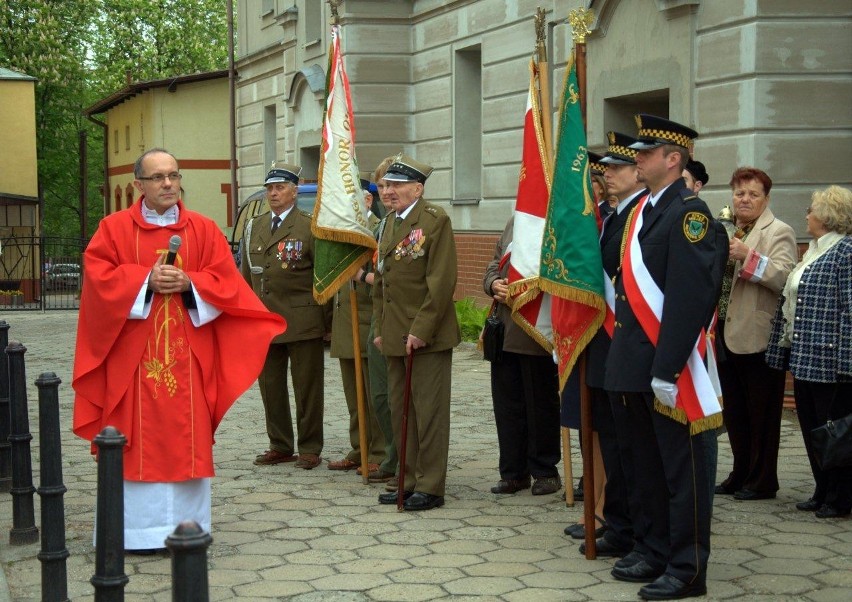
[(539, 29), (334, 4), (580, 20)]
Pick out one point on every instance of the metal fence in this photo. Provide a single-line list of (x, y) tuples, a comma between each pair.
[(40, 273)]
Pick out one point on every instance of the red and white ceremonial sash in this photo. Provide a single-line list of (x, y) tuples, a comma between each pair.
[(696, 395)]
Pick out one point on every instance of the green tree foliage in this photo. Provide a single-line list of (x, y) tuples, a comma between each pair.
[(82, 51), (47, 40), (153, 39)]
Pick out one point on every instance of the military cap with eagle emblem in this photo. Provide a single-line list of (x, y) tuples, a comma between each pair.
[(282, 172), (406, 169), (656, 131)]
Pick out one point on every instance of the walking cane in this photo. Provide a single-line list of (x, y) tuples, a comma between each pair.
[(406, 399)]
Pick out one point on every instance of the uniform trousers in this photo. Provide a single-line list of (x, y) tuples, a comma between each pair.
[(753, 398), (639, 522), (308, 389), (375, 440), (525, 393), (616, 510), (671, 477), (428, 438), (378, 369), (815, 404)]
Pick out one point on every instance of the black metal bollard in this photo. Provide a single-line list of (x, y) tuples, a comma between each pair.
[(188, 546), (23, 530), (109, 578), (54, 576), (5, 446)]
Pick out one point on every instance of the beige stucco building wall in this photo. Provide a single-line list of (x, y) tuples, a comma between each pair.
[(190, 119), (18, 167), (19, 202), (765, 82)]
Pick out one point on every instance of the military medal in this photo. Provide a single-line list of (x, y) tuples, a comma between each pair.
[(411, 246), (289, 252)]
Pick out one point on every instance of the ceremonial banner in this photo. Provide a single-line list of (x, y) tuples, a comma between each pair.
[(571, 269), (531, 307), (344, 241)]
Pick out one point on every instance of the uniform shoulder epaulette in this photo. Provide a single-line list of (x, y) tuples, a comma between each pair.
[(306, 213)]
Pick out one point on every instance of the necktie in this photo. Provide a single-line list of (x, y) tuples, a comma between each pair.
[(647, 210), (396, 225), (276, 221)]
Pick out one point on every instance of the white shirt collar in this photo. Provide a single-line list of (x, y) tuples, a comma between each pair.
[(283, 215), (408, 209), (656, 197), (169, 217), (622, 204)]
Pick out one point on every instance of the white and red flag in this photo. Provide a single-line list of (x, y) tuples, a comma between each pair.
[(531, 306)]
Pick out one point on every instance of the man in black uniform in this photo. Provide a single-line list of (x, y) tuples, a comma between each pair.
[(665, 292), (610, 420)]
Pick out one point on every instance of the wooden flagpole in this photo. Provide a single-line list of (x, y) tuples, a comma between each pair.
[(547, 129), (356, 338), (580, 20), (544, 88)]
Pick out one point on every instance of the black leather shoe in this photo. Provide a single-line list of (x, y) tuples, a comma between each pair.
[(605, 549), (829, 511), (390, 498), (672, 588), (629, 560), (747, 495), (810, 506), (423, 501), (546, 485), (641, 572), (510, 485), (722, 490), (576, 531)]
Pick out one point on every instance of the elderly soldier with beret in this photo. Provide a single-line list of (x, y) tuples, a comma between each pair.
[(278, 263), (665, 294), (414, 314)]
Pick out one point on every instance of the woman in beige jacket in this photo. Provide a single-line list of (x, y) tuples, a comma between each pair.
[(762, 253)]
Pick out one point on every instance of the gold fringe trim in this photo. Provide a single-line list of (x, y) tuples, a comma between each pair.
[(587, 298), (538, 126), (328, 292), (524, 292), (713, 421), (348, 236), (578, 349)]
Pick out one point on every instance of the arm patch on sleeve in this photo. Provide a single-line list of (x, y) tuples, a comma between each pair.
[(695, 226)]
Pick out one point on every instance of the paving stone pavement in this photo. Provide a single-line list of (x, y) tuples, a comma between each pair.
[(284, 533)]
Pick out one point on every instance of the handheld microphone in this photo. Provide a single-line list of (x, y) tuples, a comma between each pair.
[(174, 245)]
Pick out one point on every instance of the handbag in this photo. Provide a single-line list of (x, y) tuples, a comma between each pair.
[(492, 336), (832, 443)]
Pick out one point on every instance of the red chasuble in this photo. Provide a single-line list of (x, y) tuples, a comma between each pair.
[(164, 383)]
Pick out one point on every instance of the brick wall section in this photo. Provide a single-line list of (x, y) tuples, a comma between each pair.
[(474, 251)]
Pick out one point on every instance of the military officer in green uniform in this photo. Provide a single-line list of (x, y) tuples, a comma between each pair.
[(414, 313), (342, 348), (278, 263)]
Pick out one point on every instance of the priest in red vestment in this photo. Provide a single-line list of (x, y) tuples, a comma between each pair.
[(164, 348)]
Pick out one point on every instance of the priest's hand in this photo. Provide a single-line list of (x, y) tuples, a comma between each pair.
[(165, 279)]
